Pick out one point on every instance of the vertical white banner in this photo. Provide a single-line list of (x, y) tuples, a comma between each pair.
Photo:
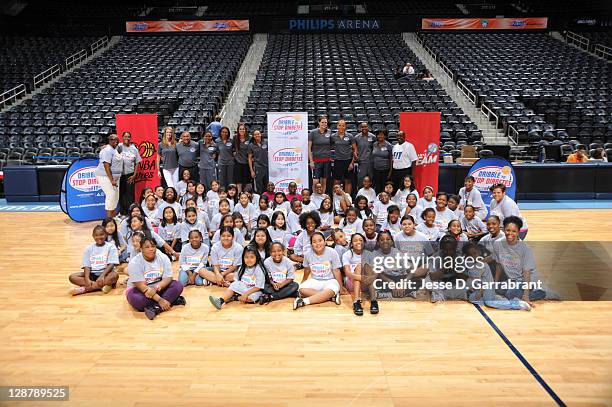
[(288, 149)]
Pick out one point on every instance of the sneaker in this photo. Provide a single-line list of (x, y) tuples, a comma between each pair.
[(298, 303), (336, 298), (524, 305), (437, 297), (106, 289), (152, 311), (180, 301), (77, 291), (357, 309), (373, 307), (216, 301)]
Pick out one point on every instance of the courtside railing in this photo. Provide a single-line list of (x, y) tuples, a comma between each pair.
[(577, 39), (12, 95), (101, 43)]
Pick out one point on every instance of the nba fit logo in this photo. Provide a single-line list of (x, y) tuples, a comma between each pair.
[(148, 165)]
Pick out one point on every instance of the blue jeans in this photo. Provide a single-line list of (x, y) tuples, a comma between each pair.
[(488, 299), (184, 278)]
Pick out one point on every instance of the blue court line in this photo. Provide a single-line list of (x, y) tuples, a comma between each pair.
[(518, 354), (29, 206), (567, 204)]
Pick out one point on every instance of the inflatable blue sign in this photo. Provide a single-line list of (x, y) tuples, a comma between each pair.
[(489, 171), (81, 197)]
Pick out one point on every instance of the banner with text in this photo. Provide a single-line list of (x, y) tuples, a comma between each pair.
[(489, 171), (143, 128), (81, 197), (422, 129), (288, 149), (186, 26), (528, 23)]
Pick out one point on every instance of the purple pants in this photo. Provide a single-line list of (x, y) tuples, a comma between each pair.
[(138, 300)]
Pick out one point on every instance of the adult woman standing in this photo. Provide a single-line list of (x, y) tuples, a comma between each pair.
[(108, 173), (168, 155), (208, 156), (382, 161), (242, 174), (345, 150), (319, 152), (258, 161), (131, 158), (226, 157)]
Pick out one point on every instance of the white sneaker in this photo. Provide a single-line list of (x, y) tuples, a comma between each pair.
[(337, 298), (524, 305)]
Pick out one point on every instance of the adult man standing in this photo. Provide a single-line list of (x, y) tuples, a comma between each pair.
[(187, 152), (404, 158), (363, 157)]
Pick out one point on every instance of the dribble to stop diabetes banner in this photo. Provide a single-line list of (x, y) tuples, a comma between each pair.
[(490, 171), (288, 149), (81, 196)]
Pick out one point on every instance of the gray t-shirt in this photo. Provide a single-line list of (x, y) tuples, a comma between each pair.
[(320, 143), (380, 155), (193, 259), (226, 152), (514, 259), (375, 259), (169, 156), (253, 277), (224, 258), (343, 146), (364, 147), (109, 155), (130, 157), (187, 154), (321, 267), (207, 155), (259, 153), (280, 271), (242, 153), (98, 257), (149, 272)]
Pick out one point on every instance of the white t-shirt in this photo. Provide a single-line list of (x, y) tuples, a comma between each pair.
[(249, 214), (443, 218), (337, 198), (350, 229), (432, 233), (368, 193), (98, 257), (403, 155), (352, 259), (280, 271), (321, 267), (193, 259), (226, 257), (380, 211), (507, 207), (149, 272)]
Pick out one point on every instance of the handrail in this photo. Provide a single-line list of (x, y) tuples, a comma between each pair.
[(101, 43), (468, 94), (12, 94), (513, 134), (448, 71), (603, 50), (76, 58), (488, 113), (581, 40), (42, 77)]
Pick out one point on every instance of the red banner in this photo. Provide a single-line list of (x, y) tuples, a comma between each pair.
[(527, 23), (422, 129), (186, 26), (143, 128)]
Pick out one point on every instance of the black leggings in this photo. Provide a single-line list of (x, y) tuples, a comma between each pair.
[(290, 290)]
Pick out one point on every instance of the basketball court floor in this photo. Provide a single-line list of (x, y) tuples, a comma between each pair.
[(412, 353)]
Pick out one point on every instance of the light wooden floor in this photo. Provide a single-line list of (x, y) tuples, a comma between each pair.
[(413, 353)]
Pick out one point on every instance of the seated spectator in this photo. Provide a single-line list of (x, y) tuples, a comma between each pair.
[(597, 155), (579, 156), (408, 69)]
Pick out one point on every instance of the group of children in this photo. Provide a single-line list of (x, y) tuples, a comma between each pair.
[(252, 245)]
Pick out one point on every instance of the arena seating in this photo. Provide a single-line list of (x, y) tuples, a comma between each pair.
[(350, 76), (543, 88), (21, 58), (430, 8), (185, 78), (250, 8)]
